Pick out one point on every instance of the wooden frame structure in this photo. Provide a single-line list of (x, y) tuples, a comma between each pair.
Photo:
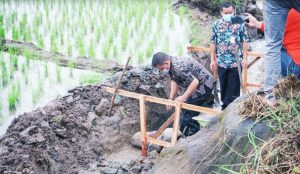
[(175, 117), (245, 74)]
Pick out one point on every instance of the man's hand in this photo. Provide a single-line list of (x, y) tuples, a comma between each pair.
[(213, 65), (181, 99), (169, 107), (253, 22)]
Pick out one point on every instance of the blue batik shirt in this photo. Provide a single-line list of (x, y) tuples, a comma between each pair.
[(228, 37)]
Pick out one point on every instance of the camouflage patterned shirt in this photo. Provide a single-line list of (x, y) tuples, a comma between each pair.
[(184, 70)]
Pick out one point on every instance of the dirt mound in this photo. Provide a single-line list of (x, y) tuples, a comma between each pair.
[(67, 136)]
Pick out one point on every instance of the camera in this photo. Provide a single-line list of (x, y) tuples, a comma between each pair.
[(239, 19)]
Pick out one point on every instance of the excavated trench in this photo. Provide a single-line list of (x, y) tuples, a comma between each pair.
[(75, 133)]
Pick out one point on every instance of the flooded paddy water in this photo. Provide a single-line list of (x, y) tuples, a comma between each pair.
[(107, 30)]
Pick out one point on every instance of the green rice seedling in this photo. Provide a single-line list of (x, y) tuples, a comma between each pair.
[(124, 38), (53, 45), (15, 33), (98, 33), (58, 74), (14, 96), (115, 52), (171, 20), (81, 48), (14, 61), (105, 51), (40, 41), (2, 32), (28, 55), (27, 35), (70, 50), (38, 92), (4, 75), (182, 10), (71, 64), (140, 57), (90, 78), (92, 53), (46, 69)]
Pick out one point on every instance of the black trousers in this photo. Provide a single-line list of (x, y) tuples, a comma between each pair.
[(189, 126), (230, 85)]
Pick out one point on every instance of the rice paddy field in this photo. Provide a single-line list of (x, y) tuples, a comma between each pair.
[(100, 29)]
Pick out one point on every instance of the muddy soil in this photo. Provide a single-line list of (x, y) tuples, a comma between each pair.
[(67, 135)]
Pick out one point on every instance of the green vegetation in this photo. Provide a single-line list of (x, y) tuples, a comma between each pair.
[(90, 78), (38, 91), (4, 75), (58, 74), (14, 96)]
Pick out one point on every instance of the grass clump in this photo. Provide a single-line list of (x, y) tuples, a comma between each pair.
[(90, 78)]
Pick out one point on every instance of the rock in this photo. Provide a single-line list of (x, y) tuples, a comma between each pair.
[(118, 100), (102, 107), (32, 135), (204, 151), (108, 170), (88, 124), (136, 139), (135, 169)]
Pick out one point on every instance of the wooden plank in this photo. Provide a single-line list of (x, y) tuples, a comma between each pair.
[(254, 85), (164, 126), (163, 101), (196, 49), (143, 118), (200, 109), (158, 142), (176, 124), (253, 62)]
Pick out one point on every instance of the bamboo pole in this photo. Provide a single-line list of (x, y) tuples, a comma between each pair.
[(117, 86), (143, 118), (245, 81), (176, 124)]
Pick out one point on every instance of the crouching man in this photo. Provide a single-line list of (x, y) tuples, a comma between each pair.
[(194, 78)]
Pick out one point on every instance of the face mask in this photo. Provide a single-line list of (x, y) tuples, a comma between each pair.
[(227, 17), (166, 71)]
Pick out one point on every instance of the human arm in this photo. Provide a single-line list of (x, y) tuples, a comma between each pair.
[(213, 47), (189, 91), (213, 57), (253, 22), (174, 89)]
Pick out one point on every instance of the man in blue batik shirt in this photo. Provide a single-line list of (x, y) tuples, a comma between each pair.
[(228, 42)]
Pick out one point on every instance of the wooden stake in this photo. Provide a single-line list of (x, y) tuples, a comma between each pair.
[(164, 126), (143, 118), (176, 124), (117, 86), (245, 81)]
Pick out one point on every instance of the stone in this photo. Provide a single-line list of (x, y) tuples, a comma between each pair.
[(102, 107)]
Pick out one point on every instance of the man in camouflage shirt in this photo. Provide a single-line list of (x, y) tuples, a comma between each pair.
[(192, 76)]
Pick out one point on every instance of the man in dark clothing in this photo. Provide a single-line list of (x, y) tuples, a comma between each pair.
[(192, 76)]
